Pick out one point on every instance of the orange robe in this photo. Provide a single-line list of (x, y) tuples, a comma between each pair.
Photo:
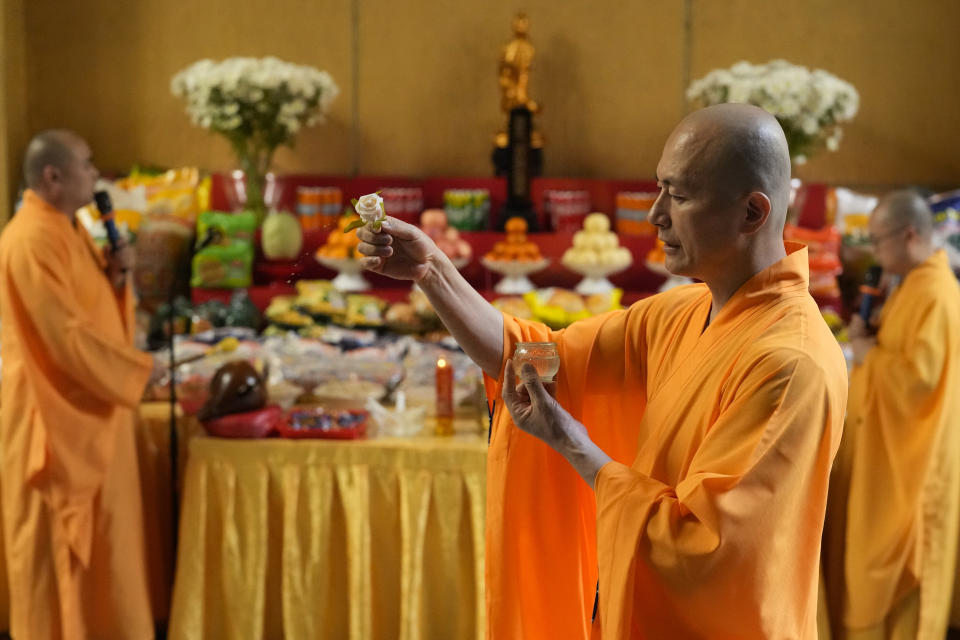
[(708, 522), (898, 480), (72, 512)]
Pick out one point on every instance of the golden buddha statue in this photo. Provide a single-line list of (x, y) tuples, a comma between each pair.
[(516, 60)]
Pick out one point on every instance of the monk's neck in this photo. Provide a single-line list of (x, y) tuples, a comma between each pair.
[(919, 256), (62, 207), (725, 285)]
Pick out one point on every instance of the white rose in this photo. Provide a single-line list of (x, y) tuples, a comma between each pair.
[(370, 207)]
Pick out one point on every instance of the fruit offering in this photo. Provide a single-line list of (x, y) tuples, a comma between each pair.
[(340, 244), (516, 246), (434, 224), (558, 308), (596, 246), (281, 236)]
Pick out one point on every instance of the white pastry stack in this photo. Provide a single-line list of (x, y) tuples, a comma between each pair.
[(596, 246)]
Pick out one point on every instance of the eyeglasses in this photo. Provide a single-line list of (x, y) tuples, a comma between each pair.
[(875, 240)]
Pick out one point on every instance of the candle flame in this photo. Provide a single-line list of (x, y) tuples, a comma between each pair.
[(441, 363)]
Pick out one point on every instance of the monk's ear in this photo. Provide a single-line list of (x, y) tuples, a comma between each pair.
[(757, 211), (51, 174)]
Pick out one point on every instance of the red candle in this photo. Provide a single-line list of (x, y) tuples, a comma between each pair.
[(444, 398)]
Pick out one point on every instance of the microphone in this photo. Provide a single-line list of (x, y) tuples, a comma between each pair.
[(102, 198), (870, 293)]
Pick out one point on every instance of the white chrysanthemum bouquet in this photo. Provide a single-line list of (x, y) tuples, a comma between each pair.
[(810, 105), (258, 104)]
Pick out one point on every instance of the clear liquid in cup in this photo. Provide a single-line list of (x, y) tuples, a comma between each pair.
[(542, 355)]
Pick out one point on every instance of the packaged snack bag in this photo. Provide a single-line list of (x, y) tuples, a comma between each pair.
[(223, 267)]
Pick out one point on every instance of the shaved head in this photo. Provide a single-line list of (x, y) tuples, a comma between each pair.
[(906, 208), (58, 167), (901, 231), (724, 179), (739, 148), (51, 148)]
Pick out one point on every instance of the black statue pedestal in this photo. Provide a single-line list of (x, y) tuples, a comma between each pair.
[(518, 161)]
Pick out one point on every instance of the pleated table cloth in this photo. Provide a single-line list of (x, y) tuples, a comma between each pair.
[(371, 539)]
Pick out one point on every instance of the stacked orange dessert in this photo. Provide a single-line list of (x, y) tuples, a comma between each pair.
[(340, 244), (516, 247)]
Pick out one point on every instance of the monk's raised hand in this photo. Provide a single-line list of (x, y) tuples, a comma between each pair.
[(399, 250), (532, 407)]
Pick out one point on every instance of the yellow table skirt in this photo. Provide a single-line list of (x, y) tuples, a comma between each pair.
[(327, 539), (153, 452)]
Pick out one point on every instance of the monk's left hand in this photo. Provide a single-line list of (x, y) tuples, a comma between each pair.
[(119, 264), (538, 413), (533, 409)]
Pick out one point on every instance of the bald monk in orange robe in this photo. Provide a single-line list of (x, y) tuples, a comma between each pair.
[(895, 504), (72, 513), (685, 455)]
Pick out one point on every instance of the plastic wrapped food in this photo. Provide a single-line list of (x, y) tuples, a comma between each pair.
[(946, 224), (318, 422), (227, 263), (179, 193), (223, 267), (364, 311), (320, 298)]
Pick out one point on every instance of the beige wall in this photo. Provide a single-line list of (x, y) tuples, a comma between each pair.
[(418, 78)]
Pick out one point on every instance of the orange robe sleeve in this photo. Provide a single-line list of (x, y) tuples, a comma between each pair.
[(694, 556), (109, 370), (535, 537)]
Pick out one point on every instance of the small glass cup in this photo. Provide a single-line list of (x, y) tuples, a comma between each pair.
[(542, 355)]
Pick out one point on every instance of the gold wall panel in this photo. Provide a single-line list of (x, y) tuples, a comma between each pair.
[(899, 55), (103, 68), (607, 74), (13, 101), (419, 93)]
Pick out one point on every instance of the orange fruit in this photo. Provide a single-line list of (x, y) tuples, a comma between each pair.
[(516, 225)]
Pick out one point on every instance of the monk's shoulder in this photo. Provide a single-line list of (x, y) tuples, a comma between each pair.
[(670, 302), (930, 291), (26, 236), (805, 350), (794, 334)]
